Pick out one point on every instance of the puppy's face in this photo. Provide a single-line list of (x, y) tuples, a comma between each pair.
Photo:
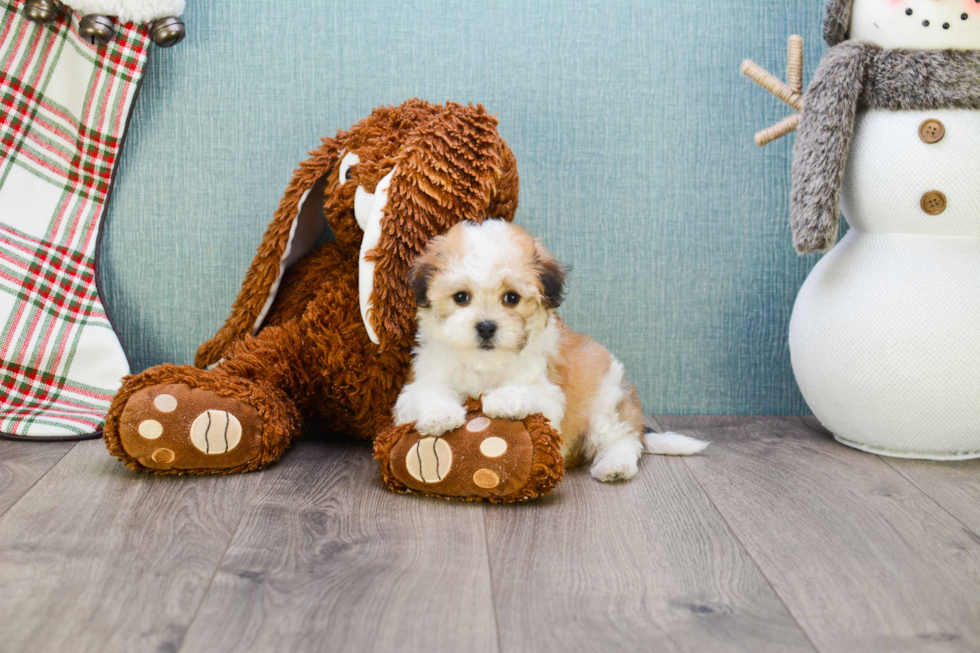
[(485, 287)]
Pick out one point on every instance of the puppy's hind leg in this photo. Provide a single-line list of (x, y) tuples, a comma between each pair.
[(615, 437), (618, 460)]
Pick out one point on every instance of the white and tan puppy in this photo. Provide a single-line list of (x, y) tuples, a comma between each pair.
[(487, 295)]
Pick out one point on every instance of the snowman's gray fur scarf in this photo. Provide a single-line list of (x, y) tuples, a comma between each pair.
[(855, 76)]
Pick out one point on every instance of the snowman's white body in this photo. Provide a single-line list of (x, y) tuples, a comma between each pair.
[(885, 334)]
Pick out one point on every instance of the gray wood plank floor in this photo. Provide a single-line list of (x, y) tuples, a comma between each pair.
[(22, 464), (775, 539)]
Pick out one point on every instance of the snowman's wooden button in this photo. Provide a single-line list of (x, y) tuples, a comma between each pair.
[(933, 202), (932, 131)]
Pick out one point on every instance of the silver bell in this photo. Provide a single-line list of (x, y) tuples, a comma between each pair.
[(96, 29), (42, 11), (168, 32)]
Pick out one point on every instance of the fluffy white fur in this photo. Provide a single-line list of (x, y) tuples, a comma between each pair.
[(673, 444), (513, 385), (532, 363), (125, 11)]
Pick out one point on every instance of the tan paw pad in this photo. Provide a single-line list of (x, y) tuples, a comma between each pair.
[(486, 478), (150, 429), (165, 403), (163, 456), (216, 432), (493, 447), (478, 424), (429, 460)]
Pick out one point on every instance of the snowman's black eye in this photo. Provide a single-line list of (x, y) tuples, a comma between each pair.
[(925, 23), (945, 25), (908, 12), (964, 16)]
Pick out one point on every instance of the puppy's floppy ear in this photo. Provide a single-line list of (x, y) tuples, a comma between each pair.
[(418, 279), (551, 275), (422, 270)]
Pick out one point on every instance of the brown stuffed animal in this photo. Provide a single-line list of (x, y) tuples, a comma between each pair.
[(485, 459), (324, 338)]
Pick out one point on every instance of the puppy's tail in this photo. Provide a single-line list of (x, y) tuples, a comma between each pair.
[(672, 444)]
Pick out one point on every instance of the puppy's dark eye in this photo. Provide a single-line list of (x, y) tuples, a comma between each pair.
[(349, 173), (462, 297), (512, 298)]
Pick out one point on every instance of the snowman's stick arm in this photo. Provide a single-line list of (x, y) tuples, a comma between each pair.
[(769, 82), (790, 92), (794, 69), (780, 129)]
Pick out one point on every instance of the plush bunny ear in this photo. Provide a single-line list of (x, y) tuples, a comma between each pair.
[(448, 171), (837, 21), (294, 229)]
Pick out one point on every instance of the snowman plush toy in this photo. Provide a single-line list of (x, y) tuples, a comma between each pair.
[(885, 333)]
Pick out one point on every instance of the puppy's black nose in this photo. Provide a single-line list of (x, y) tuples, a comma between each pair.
[(486, 329)]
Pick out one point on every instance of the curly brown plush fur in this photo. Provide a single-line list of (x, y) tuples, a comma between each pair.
[(312, 360), (854, 76)]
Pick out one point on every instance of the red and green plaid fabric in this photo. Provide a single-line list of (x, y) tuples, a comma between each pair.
[(64, 106)]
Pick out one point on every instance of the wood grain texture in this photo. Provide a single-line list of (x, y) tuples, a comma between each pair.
[(776, 538), (862, 558), (646, 565), (953, 485), (327, 560), (99, 558), (22, 464)]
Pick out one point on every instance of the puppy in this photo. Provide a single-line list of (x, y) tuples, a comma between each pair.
[(487, 295)]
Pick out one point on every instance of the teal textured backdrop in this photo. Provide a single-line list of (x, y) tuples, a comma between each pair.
[(633, 134)]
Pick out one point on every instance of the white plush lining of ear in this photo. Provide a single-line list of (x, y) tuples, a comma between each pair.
[(372, 234), (284, 262), (125, 11)]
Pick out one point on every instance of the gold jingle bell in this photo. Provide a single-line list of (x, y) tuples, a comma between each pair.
[(168, 32), (96, 29), (42, 11)]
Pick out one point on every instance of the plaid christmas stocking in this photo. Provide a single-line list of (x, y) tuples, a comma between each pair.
[(64, 108)]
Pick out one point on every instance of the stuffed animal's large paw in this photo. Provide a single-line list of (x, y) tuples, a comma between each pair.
[(179, 427), (186, 426), (482, 459)]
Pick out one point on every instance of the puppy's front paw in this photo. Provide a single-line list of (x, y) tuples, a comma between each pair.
[(406, 410), (439, 419), (616, 464), (507, 403)]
